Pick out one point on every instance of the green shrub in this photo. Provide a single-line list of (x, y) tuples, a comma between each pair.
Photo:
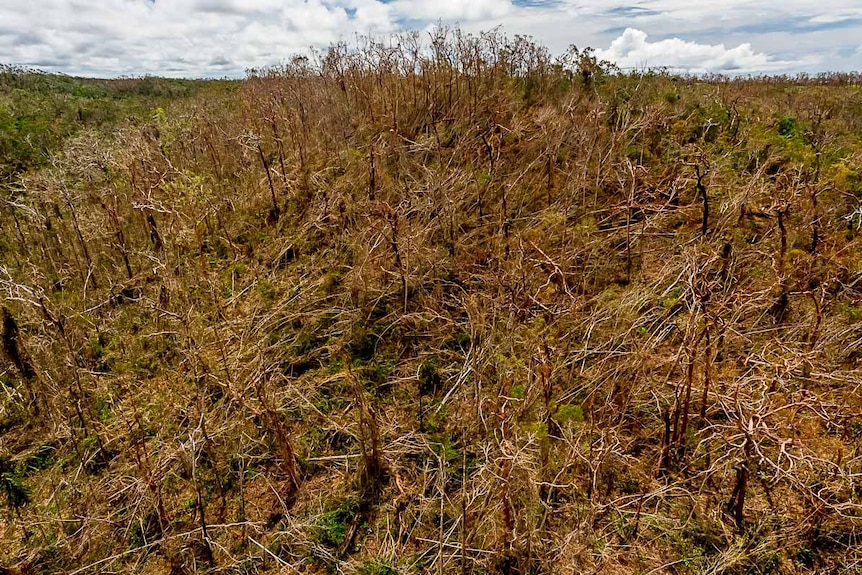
[(570, 413), (12, 486), (376, 567), (786, 126), (332, 527)]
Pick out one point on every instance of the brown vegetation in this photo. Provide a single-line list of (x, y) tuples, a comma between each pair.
[(469, 309)]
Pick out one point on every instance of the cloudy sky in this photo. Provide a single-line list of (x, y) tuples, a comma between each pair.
[(225, 37)]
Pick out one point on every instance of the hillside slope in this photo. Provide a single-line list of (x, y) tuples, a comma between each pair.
[(475, 310)]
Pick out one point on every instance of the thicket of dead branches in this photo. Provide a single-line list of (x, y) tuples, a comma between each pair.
[(455, 307)]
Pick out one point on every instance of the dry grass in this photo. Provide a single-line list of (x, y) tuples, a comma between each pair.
[(471, 309)]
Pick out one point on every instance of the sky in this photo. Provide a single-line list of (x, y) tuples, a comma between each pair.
[(223, 38)]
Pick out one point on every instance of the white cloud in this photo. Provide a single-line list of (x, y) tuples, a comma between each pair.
[(191, 37), (372, 16), (452, 10), (218, 37), (836, 16), (633, 50)]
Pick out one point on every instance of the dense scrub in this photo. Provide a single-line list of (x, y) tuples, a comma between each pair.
[(38, 111), (471, 309)]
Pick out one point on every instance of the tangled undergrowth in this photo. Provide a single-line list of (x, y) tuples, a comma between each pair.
[(469, 309)]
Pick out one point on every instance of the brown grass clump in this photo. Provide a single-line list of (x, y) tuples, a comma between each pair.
[(463, 308)]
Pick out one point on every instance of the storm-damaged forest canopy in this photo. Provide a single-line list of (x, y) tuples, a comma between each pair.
[(455, 306)]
